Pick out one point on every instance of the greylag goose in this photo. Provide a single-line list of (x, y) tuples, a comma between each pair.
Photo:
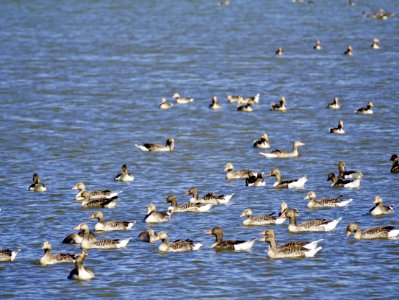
[(260, 220), (262, 143), (36, 186), (340, 182), (379, 208), (287, 184), (188, 207), (334, 104), (110, 225), (381, 232), (97, 194), (368, 110), (8, 255), (235, 245), (215, 104), (326, 202), (99, 202), (339, 129), (50, 259), (249, 100), (210, 198), (241, 174), (169, 146), (280, 106), (315, 225), (284, 154), (245, 108), (77, 238), (348, 174), (154, 216), (80, 272), (124, 175), (182, 100), (148, 236), (165, 104), (176, 246)]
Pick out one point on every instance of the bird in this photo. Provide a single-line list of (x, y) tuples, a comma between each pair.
[(287, 184), (341, 182), (110, 225), (315, 225), (77, 238), (154, 216), (395, 163), (97, 194), (279, 51), (339, 129), (368, 110), (50, 259), (280, 106), (36, 186), (211, 198), (277, 153), (169, 146), (349, 51), (176, 246), (262, 143), (348, 174), (182, 100), (249, 100), (165, 104), (7, 255), (124, 175), (255, 180), (188, 207), (379, 208), (148, 236), (99, 202), (215, 104), (334, 104), (375, 44), (245, 108), (241, 174), (326, 202), (80, 272), (317, 45), (260, 220), (233, 98), (236, 245), (381, 232)]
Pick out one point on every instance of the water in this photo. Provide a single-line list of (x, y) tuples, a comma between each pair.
[(80, 84)]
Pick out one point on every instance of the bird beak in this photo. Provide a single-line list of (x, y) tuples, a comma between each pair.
[(77, 228), (75, 187), (307, 197), (209, 232), (242, 215)]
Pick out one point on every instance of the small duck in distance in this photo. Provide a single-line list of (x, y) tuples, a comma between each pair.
[(215, 104), (36, 186), (169, 146), (277, 153), (124, 175), (349, 51), (395, 163), (375, 44), (280, 106), (339, 129), (379, 208), (279, 51), (165, 104), (368, 110), (334, 104), (182, 100), (262, 143), (317, 45)]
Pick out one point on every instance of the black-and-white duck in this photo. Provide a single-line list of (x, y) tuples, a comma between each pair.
[(368, 110), (176, 246), (99, 202), (182, 100), (240, 174), (111, 225), (7, 255), (210, 198), (168, 147), (339, 129), (325, 202), (36, 186), (341, 182), (395, 163), (50, 259), (124, 175), (334, 104), (277, 153), (188, 207), (257, 180), (97, 194), (287, 184), (260, 220), (381, 232), (262, 143), (342, 173), (315, 225), (215, 105), (235, 245), (154, 216), (165, 104), (81, 272), (280, 106), (379, 208)]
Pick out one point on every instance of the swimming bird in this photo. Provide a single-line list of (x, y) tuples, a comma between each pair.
[(99, 202), (245, 108), (334, 104), (176, 246), (77, 238), (165, 104), (315, 225), (379, 208), (277, 153), (169, 146), (188, 207), (80, 272), (50, 259), (395, 163), (110, 225), (339, 129), (215, 104), (241, 174), (340, 182), (381, 232), (375, 44), (236, 245), (317, 45), (260, 220), (210, 198), (287, 184), (154, 216), (124, 175), (349, 51), (148, 236), (182, 100), (8, 255), (97, 194), (381, 14), (233, 98), (249, 100), (326, 202), (257, 180), (279, 51), (280, 106), (262, 143), (348, 174), (36, 186), (368, 110)]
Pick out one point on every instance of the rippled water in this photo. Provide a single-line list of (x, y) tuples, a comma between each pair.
[(80, 84)]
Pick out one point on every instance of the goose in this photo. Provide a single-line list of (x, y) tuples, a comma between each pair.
[(215, 104), (255, 180), (97, 194), (111, 225), (182, 100), (381, 232), (176, 246), (233, 98), (169, 146), (245, 108), (280, 106), (188, 207), (375, 44), (277, 153), (165, 104), (241, 174), (340, 182), (8, 255), (287, 184), (249, 100), (379, 208), (339, 129), (262, 143), (289, 250), (99, 244), (50, 259), (99, 202), (154, 216), (80, 272), (315, 225), (349, 51), (148, 236), (395, 163), (334, 104), (36, 186), (317, 45), (381, 14), (348, 174), (77, 238), (124, 175), (368, 110), (260, 220), (279, 51), (326, 202), (235, 245), (210, 198)]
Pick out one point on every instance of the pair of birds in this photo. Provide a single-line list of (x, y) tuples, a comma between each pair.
[(367, 110), (179, 100)]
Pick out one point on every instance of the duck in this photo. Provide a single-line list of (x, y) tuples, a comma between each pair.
[(169, 146), (368, 110), (124, 175), (182, 100), (99, 244), (287, 184), (375, 44), (80, 272), (99, 202), (340, 182), (279, 51), (317, 45), (233, 98), (334, 104), (315, 225), (339, 129), (165, 104), (36, 186), (297, 249), (277, 153), (245, 108), (326, 202), (280, 106), (148, 236), (257, 180), (176, 246), (235, 245), (260, 220), (381, 232), (77, 238), (210, 198), (381, 14), (349, 51), (97, 194), (50, 259), (188, 207), (262, 143), (348, 174), (7, 255), (379, 208), (249, 100), (241, 174), (215, 104), (395, 163), (110, 225), (154, 216)]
